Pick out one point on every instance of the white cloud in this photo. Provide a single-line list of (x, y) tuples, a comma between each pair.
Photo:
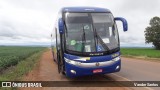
[(31, 21), (25, 24)]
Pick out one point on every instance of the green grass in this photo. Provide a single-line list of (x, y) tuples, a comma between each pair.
[(15, 73), (10, 56), (141, 52), (16, 69)]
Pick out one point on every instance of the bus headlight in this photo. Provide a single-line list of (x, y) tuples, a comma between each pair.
[(117, 67), (72, 62), (73, 71), (116, 59)]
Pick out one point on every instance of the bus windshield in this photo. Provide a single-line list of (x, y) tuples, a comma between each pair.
[(90, 32)]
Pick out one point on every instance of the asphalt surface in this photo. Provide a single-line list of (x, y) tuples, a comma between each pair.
[(131, 70), (140, 70)]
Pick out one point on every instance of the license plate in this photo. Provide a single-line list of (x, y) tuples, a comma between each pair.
[(97, 70)]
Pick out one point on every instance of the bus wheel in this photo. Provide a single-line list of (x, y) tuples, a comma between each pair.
[(63, 70), (63, 73), (59, 63), (53, 56)]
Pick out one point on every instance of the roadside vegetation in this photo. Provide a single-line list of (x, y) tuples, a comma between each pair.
[(152, 32), (17, 61), (10, 56), (146, 53)]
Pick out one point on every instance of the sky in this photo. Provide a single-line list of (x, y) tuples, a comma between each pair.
[(30, 22)]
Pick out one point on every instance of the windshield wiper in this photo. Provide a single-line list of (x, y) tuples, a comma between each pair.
[(101, 41), (83, 39)]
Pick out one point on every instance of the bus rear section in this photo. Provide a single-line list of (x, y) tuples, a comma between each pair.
[(88, 42)]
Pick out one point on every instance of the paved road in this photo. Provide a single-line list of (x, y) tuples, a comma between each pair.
[(132, 69), (139, 70)]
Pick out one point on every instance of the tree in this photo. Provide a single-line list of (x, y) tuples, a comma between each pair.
[(152, 32)]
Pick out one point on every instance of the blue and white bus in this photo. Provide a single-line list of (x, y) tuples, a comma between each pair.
[(85, 41)]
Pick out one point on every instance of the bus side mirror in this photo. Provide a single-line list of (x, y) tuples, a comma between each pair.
[(61, 26), (124, 22)]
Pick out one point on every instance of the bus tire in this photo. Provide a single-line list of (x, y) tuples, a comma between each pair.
[(63, 73), (53, 55), (58, 62)]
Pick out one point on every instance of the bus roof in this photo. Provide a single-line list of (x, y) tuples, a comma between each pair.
[(84, 9)]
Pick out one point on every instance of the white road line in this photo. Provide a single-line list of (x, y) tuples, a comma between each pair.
[(121, 77), (130, 80)]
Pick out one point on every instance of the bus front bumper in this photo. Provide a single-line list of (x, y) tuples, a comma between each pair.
[(75, 69)]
